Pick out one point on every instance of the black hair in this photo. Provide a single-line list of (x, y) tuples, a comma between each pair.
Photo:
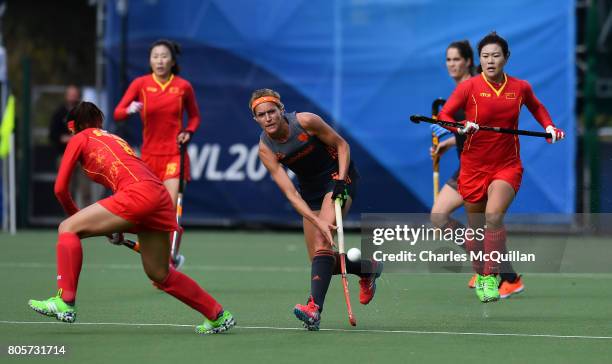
[(493, 38), (175, 51), (465, 51), (85, 115)]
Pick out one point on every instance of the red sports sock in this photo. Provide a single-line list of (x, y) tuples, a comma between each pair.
[(474, 248), (189, 292), (69, 262), (495, 241)]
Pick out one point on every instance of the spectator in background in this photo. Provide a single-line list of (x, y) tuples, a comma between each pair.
[(58, 132), (59, 136)]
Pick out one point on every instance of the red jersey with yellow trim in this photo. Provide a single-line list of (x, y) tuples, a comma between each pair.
[(105, 158), (162, 111), (497, 106)]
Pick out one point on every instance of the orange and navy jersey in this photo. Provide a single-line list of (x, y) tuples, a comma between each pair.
[(162, 111), (313, 162), (105, 158), (497, 106)]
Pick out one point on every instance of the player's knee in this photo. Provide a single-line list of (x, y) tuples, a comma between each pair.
[(494, 219), (66, 226), (437, 208), (438, 219), (157, 275)]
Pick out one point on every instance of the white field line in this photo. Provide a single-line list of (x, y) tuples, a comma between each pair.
[(411, 332)]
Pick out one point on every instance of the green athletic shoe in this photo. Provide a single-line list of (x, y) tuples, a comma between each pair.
[(490, 288), (55, 307), (479, 287), (223, 323)]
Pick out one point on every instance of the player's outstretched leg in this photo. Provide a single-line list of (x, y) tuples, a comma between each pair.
[(69, 261), (323, 264), (322, 267), (55, 307), (500, 196), (155, 254), (179, 285)]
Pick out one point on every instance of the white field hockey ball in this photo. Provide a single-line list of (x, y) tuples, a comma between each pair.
[(353, 254)]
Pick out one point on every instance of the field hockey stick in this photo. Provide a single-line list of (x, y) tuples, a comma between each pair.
[(418, 118), (134, 245), (435, 141), (340, 231), (176, 235)]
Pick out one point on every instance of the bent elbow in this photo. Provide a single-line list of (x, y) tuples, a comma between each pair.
[(119, 114)]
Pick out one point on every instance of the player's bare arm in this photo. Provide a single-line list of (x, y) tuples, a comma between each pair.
[(283, 181), (315, 125)]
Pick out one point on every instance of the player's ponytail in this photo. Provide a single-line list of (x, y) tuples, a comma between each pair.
[(175, 51), (84, 115)]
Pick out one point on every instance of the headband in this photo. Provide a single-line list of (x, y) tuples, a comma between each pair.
[(70, 126), (263, 99)]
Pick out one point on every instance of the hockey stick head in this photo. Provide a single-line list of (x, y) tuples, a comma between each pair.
[(435, 106)]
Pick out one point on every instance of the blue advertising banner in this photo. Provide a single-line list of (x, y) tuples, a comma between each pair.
[(364, 67)]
